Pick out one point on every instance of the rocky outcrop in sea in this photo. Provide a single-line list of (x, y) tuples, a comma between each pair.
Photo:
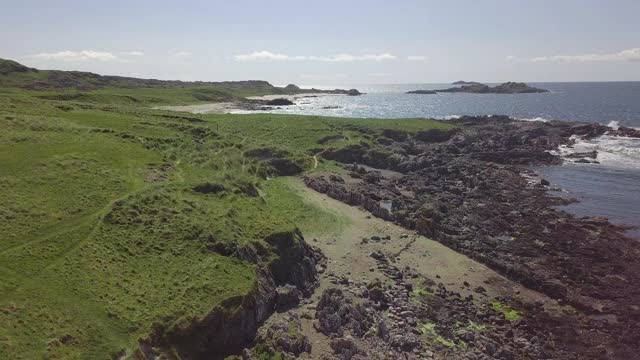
[(506, 88)]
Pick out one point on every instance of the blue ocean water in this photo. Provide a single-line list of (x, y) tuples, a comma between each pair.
[(611, 188), (595, 102)]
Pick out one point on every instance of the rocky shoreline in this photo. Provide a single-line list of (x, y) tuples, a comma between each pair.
[(471, 190)]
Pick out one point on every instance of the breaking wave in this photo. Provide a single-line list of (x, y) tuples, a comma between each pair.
[(539, 119), (612, 150)]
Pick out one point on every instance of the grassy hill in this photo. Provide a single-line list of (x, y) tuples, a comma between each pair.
[(16, 78), (112, 214)]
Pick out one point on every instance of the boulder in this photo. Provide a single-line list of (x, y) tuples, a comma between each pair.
[(280, 102), (287, 297), (284, 336)]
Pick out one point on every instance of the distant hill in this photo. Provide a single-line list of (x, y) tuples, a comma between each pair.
[(15, 75), (10, 66)]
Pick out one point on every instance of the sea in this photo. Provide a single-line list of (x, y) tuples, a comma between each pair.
[(610, 188)]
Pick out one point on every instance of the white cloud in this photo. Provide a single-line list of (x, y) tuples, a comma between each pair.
[(417, 58), (132, 53), (83, 55), (263, 55), (379, 74), (267, 55), (624, 55), (182, 54)]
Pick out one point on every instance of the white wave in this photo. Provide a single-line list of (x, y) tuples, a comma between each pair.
[(612, 151), (539, 119), (614, 124), (451, 117)]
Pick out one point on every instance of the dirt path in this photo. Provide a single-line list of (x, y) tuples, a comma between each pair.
[(349, 257)]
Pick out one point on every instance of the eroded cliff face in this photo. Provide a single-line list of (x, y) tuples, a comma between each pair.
[(232, 325)]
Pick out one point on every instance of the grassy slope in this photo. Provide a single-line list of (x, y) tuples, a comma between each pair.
[(92, 254)]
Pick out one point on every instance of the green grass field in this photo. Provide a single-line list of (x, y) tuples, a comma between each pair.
[(101, 233)]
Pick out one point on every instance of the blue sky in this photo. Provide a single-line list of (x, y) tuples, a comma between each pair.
[(330, 42)]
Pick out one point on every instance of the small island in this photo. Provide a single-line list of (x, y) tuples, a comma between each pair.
[(462, 82), (422, 92), (506, 88)]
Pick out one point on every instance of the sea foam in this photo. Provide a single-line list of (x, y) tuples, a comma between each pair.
[(612, 151)]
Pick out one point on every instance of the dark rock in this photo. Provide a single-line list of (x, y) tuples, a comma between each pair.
[(480, 290), (284, 336), (591, 154), (246, 354), (588, 131), (285, 167), (345, 347), (336, 178), (336, 313), (625, 132), (382, 330), (287, 297), (280, 102)]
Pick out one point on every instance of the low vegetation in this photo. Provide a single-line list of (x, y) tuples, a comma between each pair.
[(508, 313), (430, 332)]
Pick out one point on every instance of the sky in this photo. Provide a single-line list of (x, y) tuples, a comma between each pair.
[(329, 42)]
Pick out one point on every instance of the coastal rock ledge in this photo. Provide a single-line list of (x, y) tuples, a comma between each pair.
[(470, 189)]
